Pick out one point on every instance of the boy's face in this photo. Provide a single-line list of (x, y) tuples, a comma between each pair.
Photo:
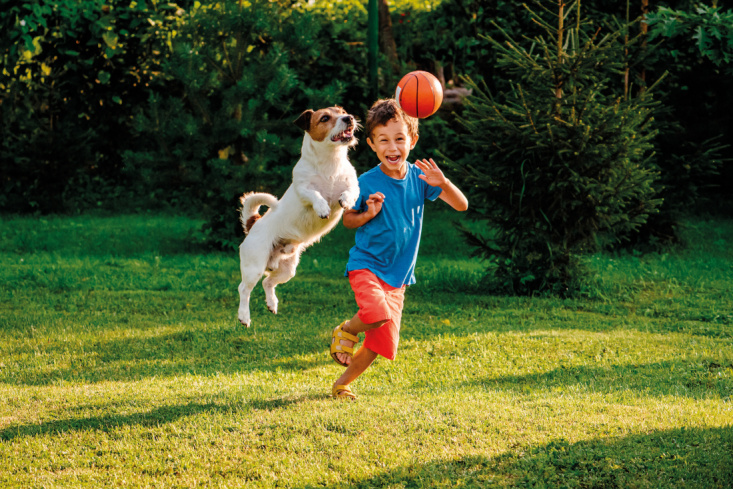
[(392, 143)]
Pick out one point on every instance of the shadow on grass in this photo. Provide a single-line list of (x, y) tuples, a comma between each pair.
[(679, 458), (156, 417), (669, 378), (524, 314), (186, 352)]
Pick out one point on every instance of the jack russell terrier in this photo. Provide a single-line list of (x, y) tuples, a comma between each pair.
[(324, 183)]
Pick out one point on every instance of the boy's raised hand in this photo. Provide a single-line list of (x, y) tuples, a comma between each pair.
[(432, 174), (374, 203)]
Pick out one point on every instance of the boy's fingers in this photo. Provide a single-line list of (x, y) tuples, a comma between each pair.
[(426, 164)]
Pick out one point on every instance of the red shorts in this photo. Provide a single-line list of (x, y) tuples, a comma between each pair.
[(378, 301)]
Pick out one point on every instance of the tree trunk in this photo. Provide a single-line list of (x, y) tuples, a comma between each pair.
[(386, 38), (644, 28), (560, 53)]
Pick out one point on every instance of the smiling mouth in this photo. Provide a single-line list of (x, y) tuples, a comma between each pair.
[(344, 136), (393, 159)]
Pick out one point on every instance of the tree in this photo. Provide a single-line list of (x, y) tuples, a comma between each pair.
[(561, 162)]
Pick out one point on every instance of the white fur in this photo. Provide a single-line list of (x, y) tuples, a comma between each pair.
[(324, 183)]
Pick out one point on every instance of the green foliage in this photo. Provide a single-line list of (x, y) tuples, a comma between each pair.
[(561, 163), (707, 30), (137, 105), (448, 36), (71, 73), (696, 45), (241, 76)]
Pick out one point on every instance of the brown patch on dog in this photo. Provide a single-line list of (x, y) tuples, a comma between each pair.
[(304, 120), (250, 222), (319, 123)]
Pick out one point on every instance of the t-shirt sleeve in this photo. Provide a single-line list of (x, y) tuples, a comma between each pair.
[(432, 193), (361, 204)]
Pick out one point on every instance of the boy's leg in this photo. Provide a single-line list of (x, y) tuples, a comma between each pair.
[(363, 358), (355, 326)]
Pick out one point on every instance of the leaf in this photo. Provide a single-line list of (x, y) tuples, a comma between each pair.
[(111, 39), (103, 77)]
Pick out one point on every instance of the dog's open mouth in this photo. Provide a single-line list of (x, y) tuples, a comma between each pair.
[(343, 136)]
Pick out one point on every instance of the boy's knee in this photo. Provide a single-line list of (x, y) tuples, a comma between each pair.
[(378, 324), (364, 326)]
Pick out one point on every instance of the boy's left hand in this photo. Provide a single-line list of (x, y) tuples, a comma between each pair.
[(432, 174)]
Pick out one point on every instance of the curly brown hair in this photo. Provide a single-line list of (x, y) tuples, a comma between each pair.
[(383, 111)]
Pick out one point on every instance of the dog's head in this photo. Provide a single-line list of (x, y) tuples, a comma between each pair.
[(333, 125)]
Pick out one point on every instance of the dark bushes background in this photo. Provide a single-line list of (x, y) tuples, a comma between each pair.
[(126, 106)]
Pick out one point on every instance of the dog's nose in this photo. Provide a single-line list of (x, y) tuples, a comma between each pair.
[(348, 119)]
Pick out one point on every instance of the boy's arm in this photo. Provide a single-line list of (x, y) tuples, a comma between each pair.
[(354, 219), (453, 196), (450, 194)]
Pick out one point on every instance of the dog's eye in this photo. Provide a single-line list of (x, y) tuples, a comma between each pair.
[(325, 118)]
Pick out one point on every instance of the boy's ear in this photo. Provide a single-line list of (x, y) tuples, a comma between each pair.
[(414, 142), (371, 144), (304, 121)]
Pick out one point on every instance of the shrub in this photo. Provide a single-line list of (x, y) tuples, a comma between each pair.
[(696, 45), (561, 162), (71, 72), (240, 75)]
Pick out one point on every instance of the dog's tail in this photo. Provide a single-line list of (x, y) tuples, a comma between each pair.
[(251, 203)]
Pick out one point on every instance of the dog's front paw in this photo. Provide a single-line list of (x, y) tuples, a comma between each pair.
[(347, 200), (322, 209)]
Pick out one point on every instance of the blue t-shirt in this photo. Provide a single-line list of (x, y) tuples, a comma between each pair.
[(387, 245)]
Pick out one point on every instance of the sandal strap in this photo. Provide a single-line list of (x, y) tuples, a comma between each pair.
[(338, 347), (339, 333), (343, 391)]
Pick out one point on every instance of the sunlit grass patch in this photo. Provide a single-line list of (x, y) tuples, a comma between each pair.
[(122, 365)]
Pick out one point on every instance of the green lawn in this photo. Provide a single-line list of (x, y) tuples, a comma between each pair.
[(122, 364)]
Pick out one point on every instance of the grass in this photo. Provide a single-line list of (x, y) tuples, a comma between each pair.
[(122, 365)]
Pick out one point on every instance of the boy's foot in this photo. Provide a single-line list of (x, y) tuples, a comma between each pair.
[(342, 392), (342, 345)]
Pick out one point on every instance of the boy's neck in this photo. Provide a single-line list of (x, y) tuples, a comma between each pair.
[(398, 174)]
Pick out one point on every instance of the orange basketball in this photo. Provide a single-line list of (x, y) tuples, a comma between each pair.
[(419, 94)]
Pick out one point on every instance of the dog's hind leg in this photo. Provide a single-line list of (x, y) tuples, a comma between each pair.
[(284, 272), (252, 261)]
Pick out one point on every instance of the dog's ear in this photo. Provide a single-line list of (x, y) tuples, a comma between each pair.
[(304, 121)]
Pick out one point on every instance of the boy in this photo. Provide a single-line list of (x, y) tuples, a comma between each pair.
[(388, 218)]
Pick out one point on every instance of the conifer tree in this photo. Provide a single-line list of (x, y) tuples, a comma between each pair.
[(561, 162)]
